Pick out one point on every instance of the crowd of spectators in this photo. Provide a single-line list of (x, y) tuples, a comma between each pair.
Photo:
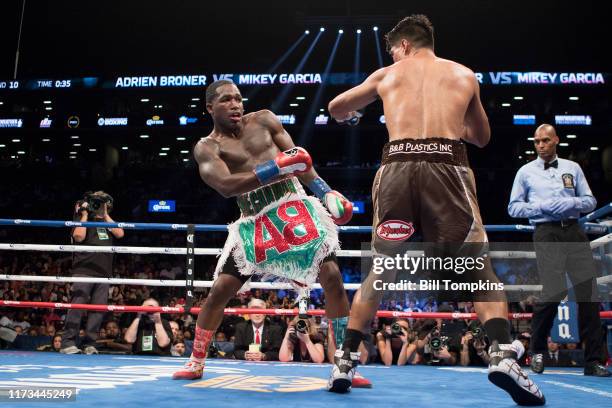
[(391, 341)]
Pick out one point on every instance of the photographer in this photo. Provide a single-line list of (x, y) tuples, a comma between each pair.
[(149, 333), (396, 343), (95, 206), (474, 346), (302, 342), (434, 344)]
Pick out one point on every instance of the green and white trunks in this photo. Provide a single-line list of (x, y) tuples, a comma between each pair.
[(283, 234)]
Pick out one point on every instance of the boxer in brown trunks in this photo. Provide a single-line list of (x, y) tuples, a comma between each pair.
[(424, 184)]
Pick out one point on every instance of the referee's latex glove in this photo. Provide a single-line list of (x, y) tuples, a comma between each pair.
[(562, 205)]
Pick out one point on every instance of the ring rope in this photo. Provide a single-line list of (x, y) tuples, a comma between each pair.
[(243, 311), (590, 227)]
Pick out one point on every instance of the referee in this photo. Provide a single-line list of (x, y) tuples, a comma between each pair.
[(552, 192)]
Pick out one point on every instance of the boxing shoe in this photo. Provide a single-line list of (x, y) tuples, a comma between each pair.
[(192, 370), (71, 350), (537, 363), (343, 371), (359, 381), (596, 370), (505, 373)]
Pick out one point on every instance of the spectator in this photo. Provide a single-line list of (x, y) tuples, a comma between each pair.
[(306, 345), (55, 346), (257, 339), (178, 349), (149, 333), (113, 341), (556, 357)]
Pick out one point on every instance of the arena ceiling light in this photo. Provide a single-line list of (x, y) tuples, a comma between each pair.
[(48, 108), (322, 29), (530, 139), (375, 28), (124, 147), (573, 98), (73, 157), (20, 152), (73, 153), (165, 149), (594, 148), (185, 160), (180, 138), (145, 100), (1, 103), (163, 153), (16, 140), (505, 104), (46, 140), (245, 99), (564, 144), (47, 102), (340, 31), (300, 98), (184, 151), (307, 32), (294, 104), (74, 137), (571, 136), (92, 149), (195, 99), (321, 110), (2, 145), (193, 106), (518, 98), (76, 144), (144, 136), (359, 31)]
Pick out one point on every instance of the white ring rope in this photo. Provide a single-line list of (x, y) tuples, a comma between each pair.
[(599, 242)]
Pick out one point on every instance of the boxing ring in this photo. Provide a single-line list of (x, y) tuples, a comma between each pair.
[(130, 380), (111, 381)]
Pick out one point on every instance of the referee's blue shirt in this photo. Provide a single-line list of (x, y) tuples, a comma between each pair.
[(533, 185)]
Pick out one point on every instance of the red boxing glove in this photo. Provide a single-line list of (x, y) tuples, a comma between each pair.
[(340, 208), (292, 161)]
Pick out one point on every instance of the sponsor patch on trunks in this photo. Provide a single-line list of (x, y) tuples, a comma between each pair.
[(395, 230)]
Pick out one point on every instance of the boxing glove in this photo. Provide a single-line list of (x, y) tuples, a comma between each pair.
[(340, 208), (292, 161)]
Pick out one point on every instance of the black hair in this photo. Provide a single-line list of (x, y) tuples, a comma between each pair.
[(211, 91), (416, 28)]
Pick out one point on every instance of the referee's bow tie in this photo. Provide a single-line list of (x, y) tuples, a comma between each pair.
[(553, 163)]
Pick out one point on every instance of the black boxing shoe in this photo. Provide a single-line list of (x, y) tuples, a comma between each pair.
[(537, 363), (596, 370), (343, 371), (505, 373)]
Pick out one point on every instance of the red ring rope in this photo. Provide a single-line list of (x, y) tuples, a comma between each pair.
[(241, 311)]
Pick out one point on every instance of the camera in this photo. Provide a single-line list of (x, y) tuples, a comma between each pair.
[(214, 352), (396, 330), (95, 203), (301, 325), (436, 340), (477, 333)]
